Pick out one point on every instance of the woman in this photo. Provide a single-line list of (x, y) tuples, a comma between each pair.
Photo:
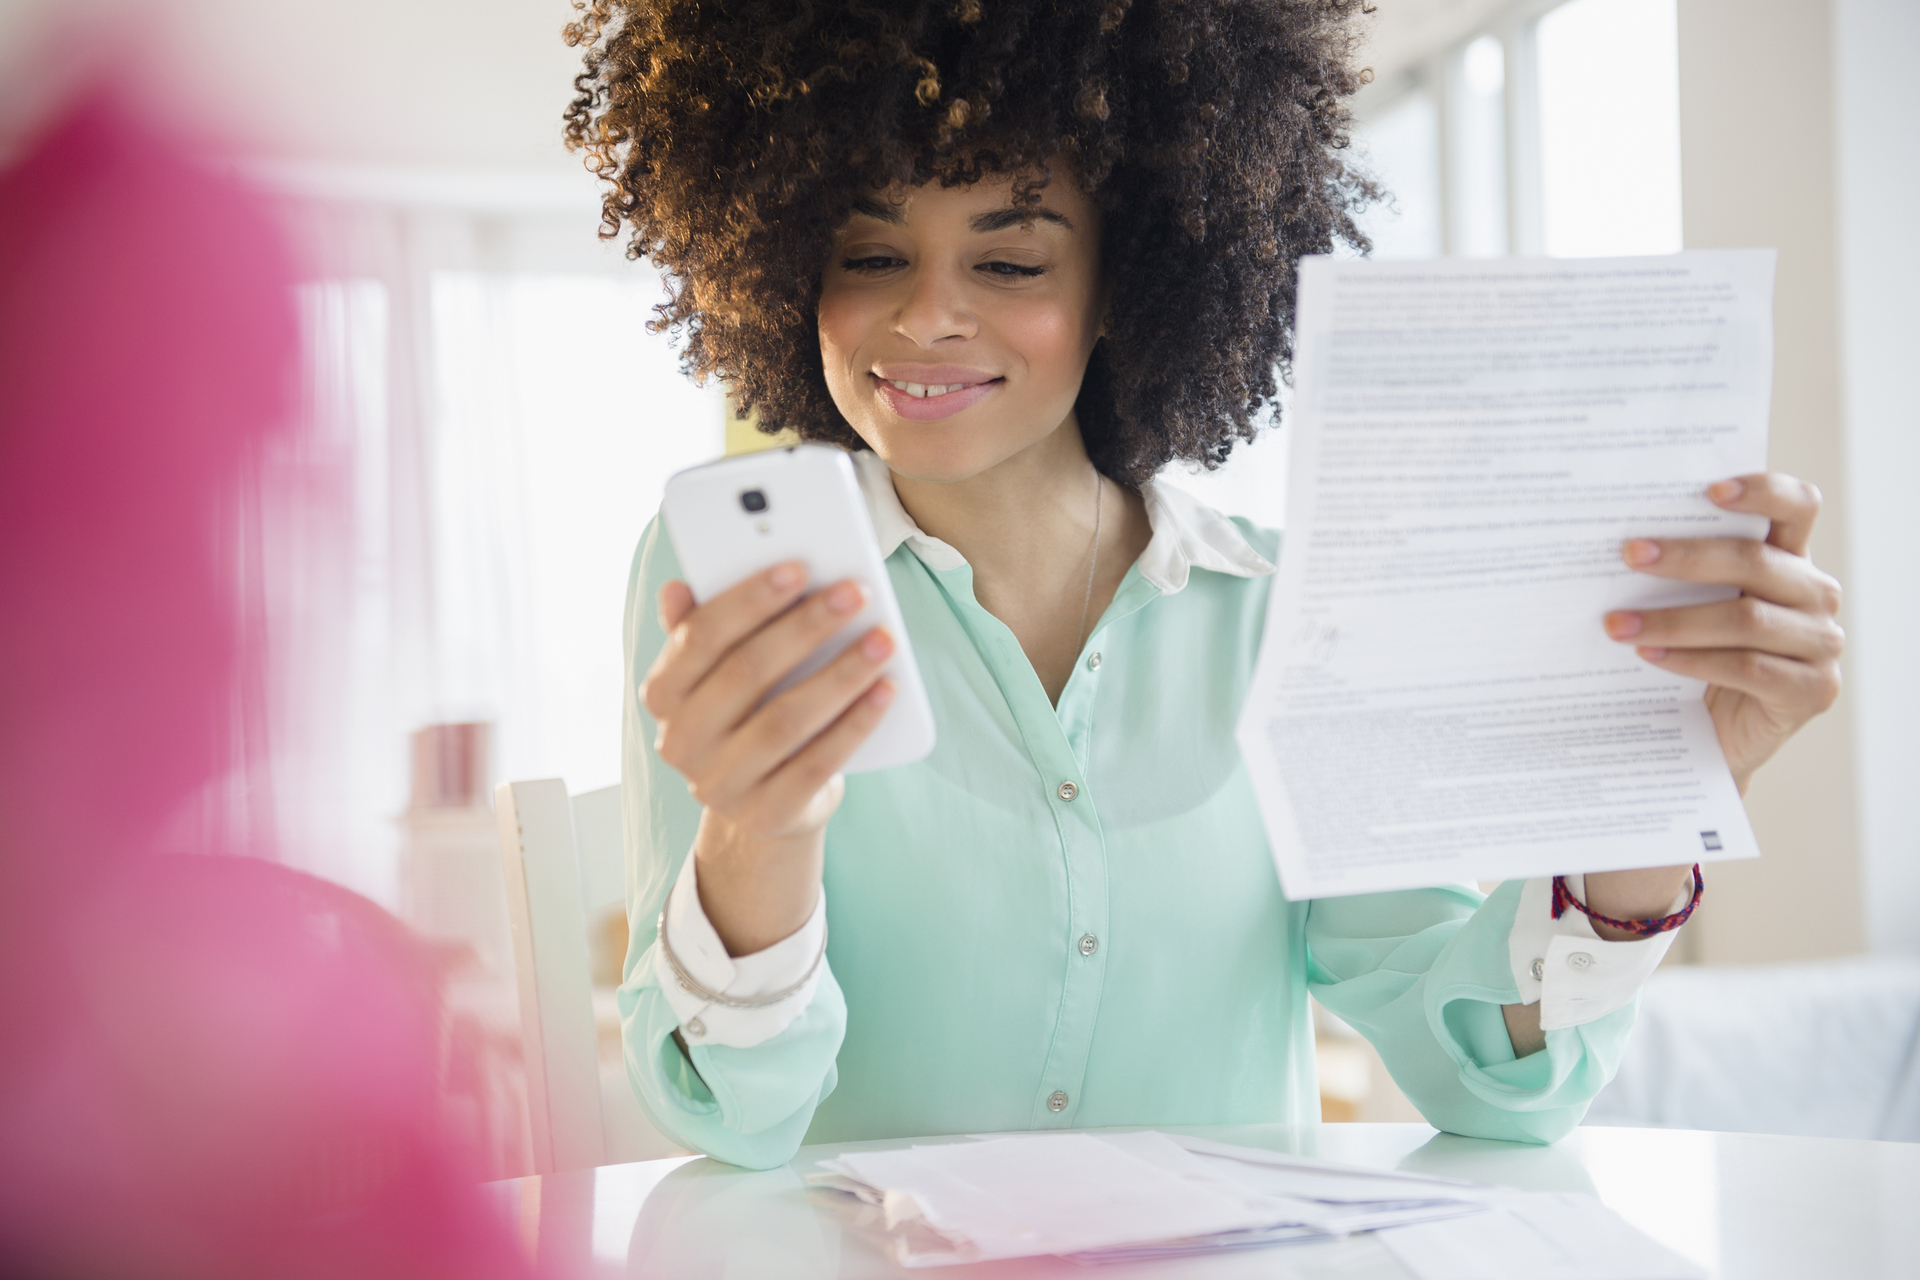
[(1018, 258)]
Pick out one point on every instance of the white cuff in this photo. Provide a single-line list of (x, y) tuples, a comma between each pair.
[(701, 953), (1573, 973)]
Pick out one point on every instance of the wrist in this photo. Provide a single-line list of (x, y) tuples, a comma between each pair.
[(756, 891), (1643, 894)]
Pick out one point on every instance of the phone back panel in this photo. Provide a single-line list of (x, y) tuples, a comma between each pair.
[(814, 513)]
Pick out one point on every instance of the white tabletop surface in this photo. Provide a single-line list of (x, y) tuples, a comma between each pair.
[(1744, 1206)]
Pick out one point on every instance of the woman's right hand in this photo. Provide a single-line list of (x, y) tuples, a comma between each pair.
[(767, 777)]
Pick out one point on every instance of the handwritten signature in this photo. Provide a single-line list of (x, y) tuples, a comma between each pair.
[(1320, 640)]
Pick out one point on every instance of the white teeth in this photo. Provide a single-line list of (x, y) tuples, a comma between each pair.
[(921, 390)]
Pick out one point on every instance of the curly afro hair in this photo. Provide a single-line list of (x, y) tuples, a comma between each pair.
[(1211, 134)]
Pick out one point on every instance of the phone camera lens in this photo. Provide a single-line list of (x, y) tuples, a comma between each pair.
[(754, 500)]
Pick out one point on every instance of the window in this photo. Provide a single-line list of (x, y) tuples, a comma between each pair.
[(1553, 131), (1609, 105), (559, 419), (489, 425)]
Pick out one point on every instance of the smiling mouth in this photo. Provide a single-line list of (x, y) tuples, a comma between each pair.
[(927, 390)]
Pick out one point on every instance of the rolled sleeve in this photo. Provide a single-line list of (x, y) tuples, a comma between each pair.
[(791, 965), (750, 1106), (1423, 975), (1568, 969)]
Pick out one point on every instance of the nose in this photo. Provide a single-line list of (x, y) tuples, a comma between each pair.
[(934, 309)]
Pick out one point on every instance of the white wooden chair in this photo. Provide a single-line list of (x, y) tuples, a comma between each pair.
[(564, 866)]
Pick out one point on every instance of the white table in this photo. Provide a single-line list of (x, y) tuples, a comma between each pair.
[(1745, 1206)]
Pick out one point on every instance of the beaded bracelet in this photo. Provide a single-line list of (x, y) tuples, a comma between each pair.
[(1563, 898)]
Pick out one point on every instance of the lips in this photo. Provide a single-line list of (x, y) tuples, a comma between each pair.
[(918, 400)]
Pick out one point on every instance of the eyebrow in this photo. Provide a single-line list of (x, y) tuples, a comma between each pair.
[(880, 212), (995, 220), (1001, 219)]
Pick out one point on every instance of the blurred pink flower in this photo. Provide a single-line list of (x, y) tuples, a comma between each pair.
[(210, 1066)]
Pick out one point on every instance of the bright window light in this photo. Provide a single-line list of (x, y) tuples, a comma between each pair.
[(1401, 147), (1477, 151), (1485, 65), (560, 419), (1610, 128)]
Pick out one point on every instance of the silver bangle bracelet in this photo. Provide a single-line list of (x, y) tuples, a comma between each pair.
[(687, 984)]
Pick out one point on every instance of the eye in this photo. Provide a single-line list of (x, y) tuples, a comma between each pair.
[(1011, 270), (872, 263)]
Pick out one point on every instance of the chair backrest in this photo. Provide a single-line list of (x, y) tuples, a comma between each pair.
[(546, 911), (563, 865), (599, 843)]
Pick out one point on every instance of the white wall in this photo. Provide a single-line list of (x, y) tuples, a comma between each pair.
[(462, 84), (1877, 108), (1756, 147), (1801, 129)]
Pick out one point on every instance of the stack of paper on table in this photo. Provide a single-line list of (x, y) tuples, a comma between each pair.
[(1116, 1196)]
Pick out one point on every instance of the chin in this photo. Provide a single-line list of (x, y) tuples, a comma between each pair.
[(939, 452), (950, 450), (936, 451)]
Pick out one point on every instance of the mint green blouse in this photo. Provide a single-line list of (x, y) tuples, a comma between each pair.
[(958, 994)]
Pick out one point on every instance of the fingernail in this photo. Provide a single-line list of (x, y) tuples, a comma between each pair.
[(785, 577), (1726, 490), (1622, 625), (1641, 551), (881, 694), (845, 597), (877, 644), (1651, 654)]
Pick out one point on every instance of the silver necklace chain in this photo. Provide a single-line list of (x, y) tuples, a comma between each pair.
[(1099, 495)]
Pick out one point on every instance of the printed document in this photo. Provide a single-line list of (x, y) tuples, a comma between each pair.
[(1435, 698)]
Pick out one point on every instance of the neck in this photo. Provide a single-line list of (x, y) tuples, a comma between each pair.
[(1026, 526), (1012, 520)]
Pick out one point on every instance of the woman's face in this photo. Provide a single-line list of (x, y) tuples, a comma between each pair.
[(953, 336)]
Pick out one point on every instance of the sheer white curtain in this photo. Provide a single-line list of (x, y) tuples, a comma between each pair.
[(561, 420), (490, 425)]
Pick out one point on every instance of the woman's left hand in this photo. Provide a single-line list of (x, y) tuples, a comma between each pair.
[(1771, 656)]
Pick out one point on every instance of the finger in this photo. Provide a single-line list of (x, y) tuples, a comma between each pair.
[(738, 684), (785, 725), (1747, 563), (1746, 623), (799, 779), (1788, 501), (676, 602), (699, 638), (1796, 691)]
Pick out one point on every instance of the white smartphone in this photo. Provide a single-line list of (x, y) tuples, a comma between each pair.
[(734, 518)]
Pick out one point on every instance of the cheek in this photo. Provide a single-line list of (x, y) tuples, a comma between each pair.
[(843, 324), (1051, 337)]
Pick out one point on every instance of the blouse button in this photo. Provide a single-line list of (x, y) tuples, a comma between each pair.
[(1093, 661), (1539, 970), (1089, 944), (1057, 1102), (1579, 960), (1068, 791)]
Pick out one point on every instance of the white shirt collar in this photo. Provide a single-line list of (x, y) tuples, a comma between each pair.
[(1187, 533)]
